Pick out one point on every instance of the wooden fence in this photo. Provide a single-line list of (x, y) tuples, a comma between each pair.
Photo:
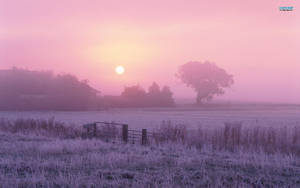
[(110, 131)]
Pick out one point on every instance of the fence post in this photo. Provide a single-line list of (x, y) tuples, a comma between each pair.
[(95, 130), (144, 136), (125, 133)]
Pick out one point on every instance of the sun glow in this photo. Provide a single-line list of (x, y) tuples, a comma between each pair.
[(122, 51), (120, 70)]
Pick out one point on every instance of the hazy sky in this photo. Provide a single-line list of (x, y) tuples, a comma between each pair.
[(252, 40)]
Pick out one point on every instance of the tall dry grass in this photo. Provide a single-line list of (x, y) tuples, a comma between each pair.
[(53, 128), (232, 137), (42, 127)]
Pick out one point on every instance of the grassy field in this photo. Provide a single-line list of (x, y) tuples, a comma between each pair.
[(191, 116), (35, 161), (238, 147), (47, 153)]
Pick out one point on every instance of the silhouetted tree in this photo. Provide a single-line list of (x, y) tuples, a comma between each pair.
[(154, 89), (70, 93), (206, 78), (134, 92), (154, 95), (167, 96), (22, 89), (157, 97), (135, 95)]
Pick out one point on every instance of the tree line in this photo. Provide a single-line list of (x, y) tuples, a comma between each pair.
[(22, 89), (136, 96)]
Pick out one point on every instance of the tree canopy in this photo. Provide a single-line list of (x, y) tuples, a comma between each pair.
[(207, 79), (22, 89), (136, 96)]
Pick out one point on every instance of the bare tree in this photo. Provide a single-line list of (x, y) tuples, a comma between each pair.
[(206, 78)]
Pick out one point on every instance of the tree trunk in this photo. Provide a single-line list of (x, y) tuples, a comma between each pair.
[(199, 100)]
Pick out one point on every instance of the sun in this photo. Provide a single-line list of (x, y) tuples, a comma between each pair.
[(120, 70)]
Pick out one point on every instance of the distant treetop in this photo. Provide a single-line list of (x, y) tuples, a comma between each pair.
[(207, 79)]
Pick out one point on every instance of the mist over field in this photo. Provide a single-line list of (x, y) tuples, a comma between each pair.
[(156, 94), (253, 41)]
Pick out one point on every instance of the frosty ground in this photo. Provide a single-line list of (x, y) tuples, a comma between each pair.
[(191, 116), (33, 161), (258, 147)]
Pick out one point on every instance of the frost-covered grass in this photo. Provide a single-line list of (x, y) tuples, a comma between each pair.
[(35, 161), (232, 136), (245, 147)]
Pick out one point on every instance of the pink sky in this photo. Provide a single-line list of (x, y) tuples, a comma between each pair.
[(253, 40)]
